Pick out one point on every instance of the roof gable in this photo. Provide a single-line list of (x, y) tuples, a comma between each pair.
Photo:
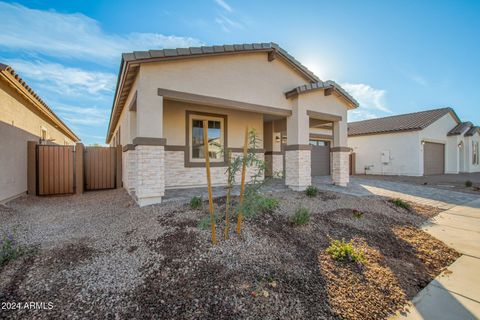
[(130, 66)]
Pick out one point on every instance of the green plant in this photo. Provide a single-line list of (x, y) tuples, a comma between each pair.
[(301, 216), (311, 191), (342, 250), (269, 205), (400, 203), (206, 222), (357, 213), (9, 249), (254, 204), (468, 183), (196, 202)]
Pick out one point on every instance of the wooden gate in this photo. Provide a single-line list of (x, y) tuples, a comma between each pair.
[(55, 167), (100, 168)]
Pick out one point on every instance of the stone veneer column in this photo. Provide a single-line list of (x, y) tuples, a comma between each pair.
[(150, 174), (298, 175), (129, 164), (277, 165), (340, 166), (298, 171)]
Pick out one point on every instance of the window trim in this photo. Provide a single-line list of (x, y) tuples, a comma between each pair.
[(201, 163)]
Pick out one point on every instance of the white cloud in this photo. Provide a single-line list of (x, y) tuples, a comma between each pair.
[(227, 24), (367, 97), (224, 5), (419, 79), (73, 35), (360, 114), (68, 81), (75, 115)]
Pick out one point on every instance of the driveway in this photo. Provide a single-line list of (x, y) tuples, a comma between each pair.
[(361, 186), (452, 182)]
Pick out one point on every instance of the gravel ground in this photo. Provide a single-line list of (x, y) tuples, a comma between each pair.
[(99, 256)]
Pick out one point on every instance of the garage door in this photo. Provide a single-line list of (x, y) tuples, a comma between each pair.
[(320, 159), (433, 158)]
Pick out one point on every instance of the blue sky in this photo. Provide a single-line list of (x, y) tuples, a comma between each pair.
[(392, 56)]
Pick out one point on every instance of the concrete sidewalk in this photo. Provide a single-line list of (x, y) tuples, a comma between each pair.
[(454, 294)]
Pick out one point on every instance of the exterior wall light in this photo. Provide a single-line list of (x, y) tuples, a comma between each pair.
[(460, 144)]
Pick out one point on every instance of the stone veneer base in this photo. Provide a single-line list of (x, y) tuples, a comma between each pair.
[(298, 171), (341, 168)]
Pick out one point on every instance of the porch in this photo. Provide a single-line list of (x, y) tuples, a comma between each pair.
[(167, 149)]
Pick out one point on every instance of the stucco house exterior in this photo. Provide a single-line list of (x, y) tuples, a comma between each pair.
[(416, 144), (162, 97), (23, 117)]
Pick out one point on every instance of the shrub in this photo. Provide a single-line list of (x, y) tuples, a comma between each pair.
[(311, 191), (345, 251), (205, 224), (9, 249), (400, 203), (357, 213), (254, 204), (301, 216), (468, 183), (268, 205), (196, 202)]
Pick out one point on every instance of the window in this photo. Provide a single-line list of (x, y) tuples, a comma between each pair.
[(43, 135), (475, 155), (215, 138), (322, 143)]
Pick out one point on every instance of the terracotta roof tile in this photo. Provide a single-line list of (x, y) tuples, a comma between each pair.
[(460, 128), (472, 131), (399, 123)]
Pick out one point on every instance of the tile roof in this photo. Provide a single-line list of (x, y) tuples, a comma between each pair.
[(399, 123), (472, 131), (6, 69), (321, 85), (460, 128)]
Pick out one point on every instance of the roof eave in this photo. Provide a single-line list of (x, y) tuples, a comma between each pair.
[(9, 74)]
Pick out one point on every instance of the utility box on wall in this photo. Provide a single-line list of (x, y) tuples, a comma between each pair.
[(385, 156)]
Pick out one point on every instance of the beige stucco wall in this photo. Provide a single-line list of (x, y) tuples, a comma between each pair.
[(17, 111), (174, 123), (241, 77), (19, 122), (317, 101)]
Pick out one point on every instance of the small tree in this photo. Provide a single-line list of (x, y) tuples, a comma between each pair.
[(248, 191)]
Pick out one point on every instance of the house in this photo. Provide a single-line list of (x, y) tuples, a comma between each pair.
[(23, 117), (163, 96), (415, 144)]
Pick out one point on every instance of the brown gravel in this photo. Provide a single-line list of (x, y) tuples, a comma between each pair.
[(154, 262)]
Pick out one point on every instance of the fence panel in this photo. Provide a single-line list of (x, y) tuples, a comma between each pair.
[(55, 169), (100, 168)]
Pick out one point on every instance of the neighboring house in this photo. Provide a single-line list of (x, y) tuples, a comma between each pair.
[(23, 117), (162, 97), (415, 144)]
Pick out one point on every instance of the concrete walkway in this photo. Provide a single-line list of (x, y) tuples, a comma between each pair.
[(454, 294)]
